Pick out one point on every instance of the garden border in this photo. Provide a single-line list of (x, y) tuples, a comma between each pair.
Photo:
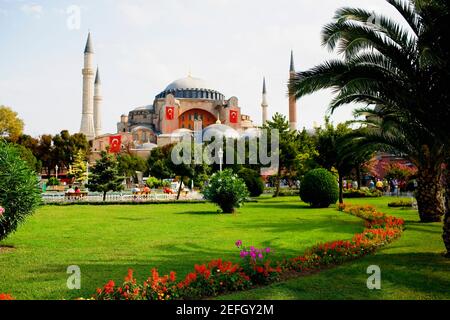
[(222, 277)]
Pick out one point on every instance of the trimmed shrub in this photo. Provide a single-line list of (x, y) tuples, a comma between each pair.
[(319, 188), (253, 181), (401, 204), (53, 181), (363, 193), (153, 183), (19, 193), (226, 190)]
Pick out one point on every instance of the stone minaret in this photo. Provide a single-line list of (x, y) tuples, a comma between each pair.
[(98, 104), (292, 100), (264, 104), (87, 118)]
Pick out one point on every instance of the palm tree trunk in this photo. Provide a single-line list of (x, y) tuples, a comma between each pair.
[(341, 189), (358, 176), (429, 194), (446, 233), (179, 189)]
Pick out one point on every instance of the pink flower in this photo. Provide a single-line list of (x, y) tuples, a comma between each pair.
[(239, 243), (2, 211), (260, 256), (267, 250)]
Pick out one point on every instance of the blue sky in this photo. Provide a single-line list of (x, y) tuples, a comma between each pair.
[(143, 45)]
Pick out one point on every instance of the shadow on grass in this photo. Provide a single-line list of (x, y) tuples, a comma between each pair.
[(202, 213), (284, 205), (5, 248)]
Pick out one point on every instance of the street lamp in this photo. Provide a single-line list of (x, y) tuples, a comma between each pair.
[(220, 158), (56, 171)]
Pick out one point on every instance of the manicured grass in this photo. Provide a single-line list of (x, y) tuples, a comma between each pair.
[(411, 268), (104, 241)]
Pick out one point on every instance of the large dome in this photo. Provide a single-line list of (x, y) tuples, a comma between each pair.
[(219, 131), (191, 88), (188, 83)]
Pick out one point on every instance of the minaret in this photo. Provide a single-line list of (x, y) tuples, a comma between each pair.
[(87, 118), (264, 104), (292, 100), (97, 104)]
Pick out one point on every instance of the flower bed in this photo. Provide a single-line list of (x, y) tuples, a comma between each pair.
[(5, 296), (219, 277)]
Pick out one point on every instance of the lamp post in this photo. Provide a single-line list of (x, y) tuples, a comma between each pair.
[(56, 171), (220, 158)]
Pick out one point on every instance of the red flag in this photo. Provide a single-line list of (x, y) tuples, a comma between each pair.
[(170, 113), (233, 116), (115, 144)]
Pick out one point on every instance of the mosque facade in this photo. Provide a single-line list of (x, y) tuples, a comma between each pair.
[(181, 107)]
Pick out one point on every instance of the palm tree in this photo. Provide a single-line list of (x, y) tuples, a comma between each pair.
[(391, 133), (401, 68)]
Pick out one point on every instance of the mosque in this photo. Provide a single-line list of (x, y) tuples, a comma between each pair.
[(177, 110)]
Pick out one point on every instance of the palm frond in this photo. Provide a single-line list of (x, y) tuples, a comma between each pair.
[(407, 10)]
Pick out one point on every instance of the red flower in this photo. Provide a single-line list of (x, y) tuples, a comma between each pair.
[(5, 296)]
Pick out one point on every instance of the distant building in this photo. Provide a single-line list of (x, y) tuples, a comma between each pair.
[(177, 110)]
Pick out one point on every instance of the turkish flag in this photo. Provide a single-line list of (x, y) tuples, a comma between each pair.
[(234, 116), (170, 113), (115, 144)]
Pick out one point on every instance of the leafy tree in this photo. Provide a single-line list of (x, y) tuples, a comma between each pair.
[(45, 153), (337, 150), (11, 126), (29, 158), (201, 175), (19, 192), (66, 147), (181, 169), (78, 169), (400, 172), (104, 176), (288, 148), (29, 142), (157, 162), (253, 181), (130, 164)]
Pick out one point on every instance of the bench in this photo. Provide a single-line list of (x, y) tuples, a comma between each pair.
[(76, 196)]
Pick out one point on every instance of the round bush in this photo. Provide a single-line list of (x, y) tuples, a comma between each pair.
[(19, 193), (53, 181), (226, 190), (319, 188), (253, 181)]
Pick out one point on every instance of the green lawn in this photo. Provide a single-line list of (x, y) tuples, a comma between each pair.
[(411, 268), (106, 240)]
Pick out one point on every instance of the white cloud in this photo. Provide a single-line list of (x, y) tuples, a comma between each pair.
[(33, 10)]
